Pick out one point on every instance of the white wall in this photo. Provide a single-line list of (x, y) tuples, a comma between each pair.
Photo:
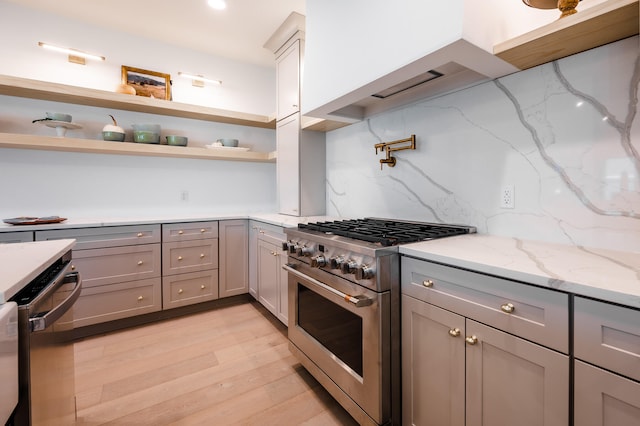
[(576, 174), (246, 87), (39, 183)]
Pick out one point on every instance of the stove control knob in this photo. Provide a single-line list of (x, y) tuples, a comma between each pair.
[(365, 272), (293, 248), (335, 262), (286, 246), (318, 261), (304, 251), (348, 267)]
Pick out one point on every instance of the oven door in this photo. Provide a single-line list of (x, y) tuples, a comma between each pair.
[(339, 326)]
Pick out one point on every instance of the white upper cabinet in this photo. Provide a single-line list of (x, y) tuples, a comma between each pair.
[(361, 54), (288, 81)]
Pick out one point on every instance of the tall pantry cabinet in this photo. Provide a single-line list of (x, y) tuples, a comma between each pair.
[(301, 153)]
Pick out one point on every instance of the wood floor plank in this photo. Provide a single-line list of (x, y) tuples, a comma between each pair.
[(230, 365)]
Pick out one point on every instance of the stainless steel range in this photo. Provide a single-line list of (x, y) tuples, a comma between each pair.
[(344, 308)]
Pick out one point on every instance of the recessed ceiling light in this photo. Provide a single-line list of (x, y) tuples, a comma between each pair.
[(217, 4)]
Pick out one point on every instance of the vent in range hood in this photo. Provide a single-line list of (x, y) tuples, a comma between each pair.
[(438, 81), (409, 84)]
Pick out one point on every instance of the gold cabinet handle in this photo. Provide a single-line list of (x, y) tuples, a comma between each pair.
[(73, 267), (201, 255), (454, 332), (508, 308), (140, 262), (180, 232), (202, 287), (427, 283), (140, 234), (202, 231), (140, 297), (472, 340), (179, 291), (179, 257), (261, 231)]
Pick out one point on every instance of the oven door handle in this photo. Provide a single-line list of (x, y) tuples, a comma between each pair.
[(39, 323), (359, 300)]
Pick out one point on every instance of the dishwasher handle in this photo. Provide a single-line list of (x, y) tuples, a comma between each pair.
[(44, 320)]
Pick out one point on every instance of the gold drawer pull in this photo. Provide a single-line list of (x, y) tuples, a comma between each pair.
[(180, 232), (202, 287), (179, 257), (179, 291), (472, 340), (202, 231), (73, 267), (427, 283), (140, 262), (454, 332), (201, 255), (261, 231), (140, 234), (508, 308), (140, 297)]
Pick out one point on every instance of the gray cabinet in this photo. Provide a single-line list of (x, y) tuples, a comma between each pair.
[(476, 349), (607, 365), (234, 257), (300, 170), (270, 278), (120, 268), (189, 263), (288, 80)]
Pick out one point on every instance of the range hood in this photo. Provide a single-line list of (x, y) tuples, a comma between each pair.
[(454, 67)]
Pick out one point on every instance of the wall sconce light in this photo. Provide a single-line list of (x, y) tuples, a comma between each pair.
[(75, 56), (198, 80)]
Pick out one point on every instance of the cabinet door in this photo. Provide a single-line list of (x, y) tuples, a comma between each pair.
[(283, 289), (511, 381), (604, 399), (268, 264), (253, 259), (432, 365), (288, 81), (288, 166), (234, 257)]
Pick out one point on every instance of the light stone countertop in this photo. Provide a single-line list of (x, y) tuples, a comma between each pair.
[(20, 263), (607, 275), (89, 222)]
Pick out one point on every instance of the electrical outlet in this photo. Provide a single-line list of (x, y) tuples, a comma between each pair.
[(507, 197), (184, 195)]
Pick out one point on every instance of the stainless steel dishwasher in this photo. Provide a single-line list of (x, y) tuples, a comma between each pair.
[(45, 350)]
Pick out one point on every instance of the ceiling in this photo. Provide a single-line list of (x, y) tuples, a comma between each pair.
[(238, 32)]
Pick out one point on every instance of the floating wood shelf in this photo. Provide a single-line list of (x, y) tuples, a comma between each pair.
[(34, 89), (49, 143), (604, 23)]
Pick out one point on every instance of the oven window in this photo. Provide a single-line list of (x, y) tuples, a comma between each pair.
[(337, 329)]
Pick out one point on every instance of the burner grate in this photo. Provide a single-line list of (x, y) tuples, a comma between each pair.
[(386, 232)]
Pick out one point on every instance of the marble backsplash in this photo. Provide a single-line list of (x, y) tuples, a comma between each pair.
[(564, 134)]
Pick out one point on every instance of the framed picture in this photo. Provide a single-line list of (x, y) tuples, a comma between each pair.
[(150, 84)]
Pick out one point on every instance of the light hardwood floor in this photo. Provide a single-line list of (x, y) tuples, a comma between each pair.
[(227, 366)]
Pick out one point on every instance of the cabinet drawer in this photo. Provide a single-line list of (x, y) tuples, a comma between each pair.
[(270, 232), (189, 256), (116, 301), (105, 236), (537, 314), (117, 264), (189, 231), (187, 289), (16, 237), (608, 336)]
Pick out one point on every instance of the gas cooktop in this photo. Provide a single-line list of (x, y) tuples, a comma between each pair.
[(387, 232)]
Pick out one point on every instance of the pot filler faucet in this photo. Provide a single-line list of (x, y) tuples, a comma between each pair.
[(409, 143)]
